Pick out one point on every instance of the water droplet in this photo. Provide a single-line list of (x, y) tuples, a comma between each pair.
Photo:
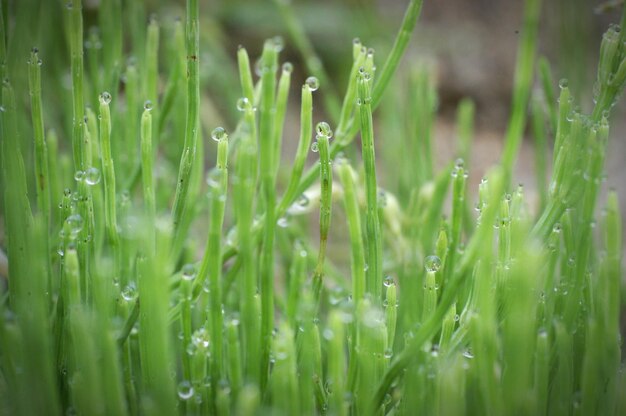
[(185, 390), (315, 147), (303, 200), (92, 176), (432, 263), (328, 334), (75, 222), (242, 104), (356, 42), (388, 353), (283, 222), (323, 129), (105, 98), (563, 83), (388, 281), (79, 175), (218, 134), (147, 105), (189, 272), (130, 292), (279, 43), (468, 354), (200, 338), (312, 83), (288, 67)]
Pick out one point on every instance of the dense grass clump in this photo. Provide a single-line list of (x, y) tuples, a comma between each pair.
[(134, 288)]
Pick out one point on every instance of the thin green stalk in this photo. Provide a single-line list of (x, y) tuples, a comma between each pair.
[(245, 76), (185, 318), (522, 84), (391, 313), (154, 339), (353, 215), (110, 20), (147, 157), (176, 77), (372, 222), (41, 153), (108, 172), (180, 209), (75, 9), (399, 46), (306, 128), (18, 215), (284, 381), (547, 84), (326, 180), (55, 191), (296, 281), (336, 364), (42, 175), (211, 262), (127, 150), (244, 190), (541, 149), (235, 370), (152, 72), (268, 186), (282, 96)]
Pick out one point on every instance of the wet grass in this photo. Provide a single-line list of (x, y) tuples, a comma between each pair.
[(140, 290)]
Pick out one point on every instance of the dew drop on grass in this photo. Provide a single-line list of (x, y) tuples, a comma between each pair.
[(75, 223), (288, 67), (563, 83), (189, 272), (218, 134), (303, 200), (200, 338), (79, 175), (105, 98), (388, 281), (147, 105), (432, 263), (388, 353), (323, 129), (279, 43), (312, 83), (242, 104), (283, 222), (315, 147), (92, 176), (185, 390), (130, 292), (356, 42)]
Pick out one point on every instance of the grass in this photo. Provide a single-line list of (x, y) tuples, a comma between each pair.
[(133, 292)]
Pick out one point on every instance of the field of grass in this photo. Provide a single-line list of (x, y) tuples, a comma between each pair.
[(159, 264)]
